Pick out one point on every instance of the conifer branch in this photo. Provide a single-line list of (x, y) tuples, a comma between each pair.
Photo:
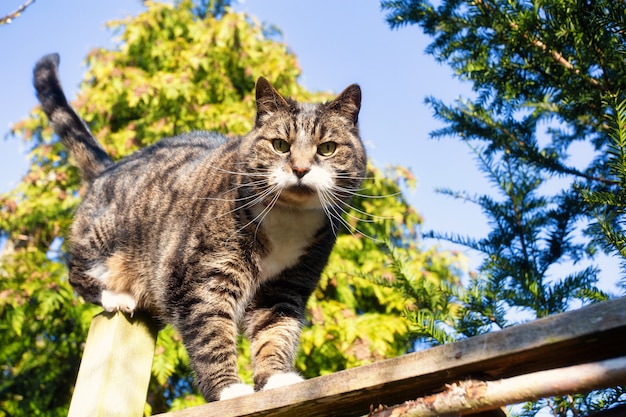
[(555, 166), (15, 14), (476, 396), (556, 55), (559, 58)]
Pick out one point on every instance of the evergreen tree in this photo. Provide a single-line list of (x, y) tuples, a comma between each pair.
[(180, 67), (608, 206), (542, 73)]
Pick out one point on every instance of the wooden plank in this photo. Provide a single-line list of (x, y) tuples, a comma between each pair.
[(115, 368), (469, 395), (592, 333)]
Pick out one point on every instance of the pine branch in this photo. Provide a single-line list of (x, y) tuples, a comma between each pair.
[(476, 396), (556, 55), (13, 15), (551, 164), (559, 58), (609, 217)]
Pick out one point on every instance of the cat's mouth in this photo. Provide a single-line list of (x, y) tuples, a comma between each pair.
[(299, 189), (297, 195)]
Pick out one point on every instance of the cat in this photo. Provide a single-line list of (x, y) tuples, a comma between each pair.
[(215, 234)]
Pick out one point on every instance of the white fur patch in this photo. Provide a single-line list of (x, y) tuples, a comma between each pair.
[(113, 301), (319, 179), (281, 380), (236, 390), (289, 232), (100, 272)]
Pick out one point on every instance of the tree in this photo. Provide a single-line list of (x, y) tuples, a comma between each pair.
[(178, 68), (542, 73)]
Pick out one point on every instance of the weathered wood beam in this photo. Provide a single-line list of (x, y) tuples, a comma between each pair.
[(471, 396), (592, 333), (115, 368)]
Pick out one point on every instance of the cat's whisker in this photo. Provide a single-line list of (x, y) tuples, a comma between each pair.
[(352, 216), (268, 207), (249, 201), (251, 184), (256, 173), (360, 195), (342, 197), (350, 228), (350, 190), (326, 207), (266, 211), (372, 218), (356, 193), (255, 199), (351, 176), (335, 211)]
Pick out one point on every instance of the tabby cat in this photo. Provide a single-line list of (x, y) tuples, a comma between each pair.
[(213, 234)]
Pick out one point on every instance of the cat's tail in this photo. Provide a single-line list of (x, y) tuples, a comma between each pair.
[(91, 159)]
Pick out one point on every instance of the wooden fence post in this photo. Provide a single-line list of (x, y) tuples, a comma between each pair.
[(115, 368)]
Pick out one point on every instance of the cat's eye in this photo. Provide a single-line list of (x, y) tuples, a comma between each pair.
[(281, 145), (327, 148)]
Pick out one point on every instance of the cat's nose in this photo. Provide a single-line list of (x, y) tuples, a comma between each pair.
[(300, 172)]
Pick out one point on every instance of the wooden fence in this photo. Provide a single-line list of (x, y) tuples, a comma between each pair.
[(476, 375)]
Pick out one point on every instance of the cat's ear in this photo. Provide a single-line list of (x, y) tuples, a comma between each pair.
[(268, 100), (348, 103)]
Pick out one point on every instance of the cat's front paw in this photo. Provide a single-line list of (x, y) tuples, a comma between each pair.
[(118, 301), (281, 380), (236, 390)]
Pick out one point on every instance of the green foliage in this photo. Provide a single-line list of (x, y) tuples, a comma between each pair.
[(38, 329), (179, 68), (610, 205), (430, 284), (541, 72)]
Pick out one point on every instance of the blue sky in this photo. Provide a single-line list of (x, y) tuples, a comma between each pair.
[(336, 42)]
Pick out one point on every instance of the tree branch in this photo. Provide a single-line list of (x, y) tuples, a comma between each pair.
[(556, 55), (479, 396), (559, 58), (13, 15)]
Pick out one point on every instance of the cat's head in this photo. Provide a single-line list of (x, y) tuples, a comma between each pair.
[(306, 155)]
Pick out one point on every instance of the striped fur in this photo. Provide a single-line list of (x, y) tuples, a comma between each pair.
[(213, 234)]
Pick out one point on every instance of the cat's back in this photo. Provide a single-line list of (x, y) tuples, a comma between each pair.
[(188, 148), (156, 190), (171, 162)]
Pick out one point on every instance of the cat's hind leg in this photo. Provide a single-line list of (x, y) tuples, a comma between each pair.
[(92, 285), (113, 301), (86, 286)]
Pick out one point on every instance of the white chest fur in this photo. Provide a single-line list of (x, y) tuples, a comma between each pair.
[(289, 232)]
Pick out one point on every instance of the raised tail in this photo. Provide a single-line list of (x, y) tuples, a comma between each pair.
[(91, 159)]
